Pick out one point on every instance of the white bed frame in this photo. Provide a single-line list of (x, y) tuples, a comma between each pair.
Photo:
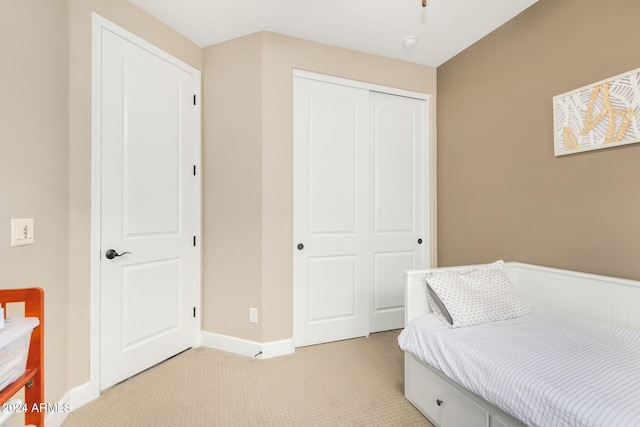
[(443, 402)]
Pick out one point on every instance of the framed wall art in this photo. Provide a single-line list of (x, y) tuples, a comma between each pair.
[(601, 115)]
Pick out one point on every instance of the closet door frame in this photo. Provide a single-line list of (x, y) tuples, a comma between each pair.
[(428, 184)]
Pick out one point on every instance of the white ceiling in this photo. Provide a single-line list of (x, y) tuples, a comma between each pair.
[(443, 28)]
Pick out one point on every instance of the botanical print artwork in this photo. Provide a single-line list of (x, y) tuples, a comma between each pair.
[(602, 115)]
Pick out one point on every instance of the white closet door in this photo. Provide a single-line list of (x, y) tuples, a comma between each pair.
[(359, 208), (332, 205), (398, 241)]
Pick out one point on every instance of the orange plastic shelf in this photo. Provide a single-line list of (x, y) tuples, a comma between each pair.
[(33, 299)]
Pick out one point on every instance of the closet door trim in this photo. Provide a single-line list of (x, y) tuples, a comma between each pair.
[(364, 85)]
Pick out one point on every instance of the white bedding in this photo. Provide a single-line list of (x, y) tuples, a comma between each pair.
[(546, 368)]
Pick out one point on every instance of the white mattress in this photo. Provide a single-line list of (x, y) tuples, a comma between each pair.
[(545, 369)]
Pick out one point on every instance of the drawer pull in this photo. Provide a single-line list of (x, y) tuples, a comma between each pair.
[(439, 402)]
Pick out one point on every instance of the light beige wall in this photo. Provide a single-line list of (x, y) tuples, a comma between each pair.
[(232, 174), (502, 193), (269, 262), (33, 165), (131, 18)]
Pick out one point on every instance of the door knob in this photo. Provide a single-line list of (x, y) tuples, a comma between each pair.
[(111, 254)]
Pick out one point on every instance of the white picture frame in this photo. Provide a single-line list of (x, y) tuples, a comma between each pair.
[(601, 115)]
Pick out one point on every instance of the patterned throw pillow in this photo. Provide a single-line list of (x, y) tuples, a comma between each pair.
[(437, 307), (475, 296)]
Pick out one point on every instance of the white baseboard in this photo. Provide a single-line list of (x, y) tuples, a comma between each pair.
[(83, 394), (58, 412), (71, 400), (247, 347), (277, 348)]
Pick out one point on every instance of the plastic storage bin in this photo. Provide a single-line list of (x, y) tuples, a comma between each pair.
[(14, 348)]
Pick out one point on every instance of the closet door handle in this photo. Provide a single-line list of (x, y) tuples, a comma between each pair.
[(439, 402), (300, 246)]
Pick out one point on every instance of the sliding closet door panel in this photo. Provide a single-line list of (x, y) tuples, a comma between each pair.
[(331, 204), (399, 197), (332, 288), (332, 166), (387, 267), (394, 170)]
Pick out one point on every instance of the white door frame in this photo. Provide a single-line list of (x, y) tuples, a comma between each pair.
[(98, 25), (428, 207)]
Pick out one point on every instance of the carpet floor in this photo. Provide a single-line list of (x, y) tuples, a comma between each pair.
[(357, 382)]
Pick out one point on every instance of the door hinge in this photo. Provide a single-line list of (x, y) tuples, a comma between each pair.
[(194, 312), (194, 100), (194, 240)]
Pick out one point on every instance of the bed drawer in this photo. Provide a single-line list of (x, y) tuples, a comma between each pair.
[(441, 402)]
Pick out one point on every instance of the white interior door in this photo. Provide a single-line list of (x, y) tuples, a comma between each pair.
[(398, 240), (331, 203), (149, 142)]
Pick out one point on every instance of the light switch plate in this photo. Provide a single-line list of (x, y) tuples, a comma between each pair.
[(22, 231)]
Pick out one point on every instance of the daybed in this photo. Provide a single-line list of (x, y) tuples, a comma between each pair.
[(588, 389)]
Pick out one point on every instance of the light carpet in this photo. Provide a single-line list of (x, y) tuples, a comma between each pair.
[(356, 382)]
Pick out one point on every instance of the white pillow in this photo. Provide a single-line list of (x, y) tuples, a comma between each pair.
[(434, 301), (475, 296)]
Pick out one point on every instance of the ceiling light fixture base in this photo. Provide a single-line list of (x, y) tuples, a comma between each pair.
[(410, 42)]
